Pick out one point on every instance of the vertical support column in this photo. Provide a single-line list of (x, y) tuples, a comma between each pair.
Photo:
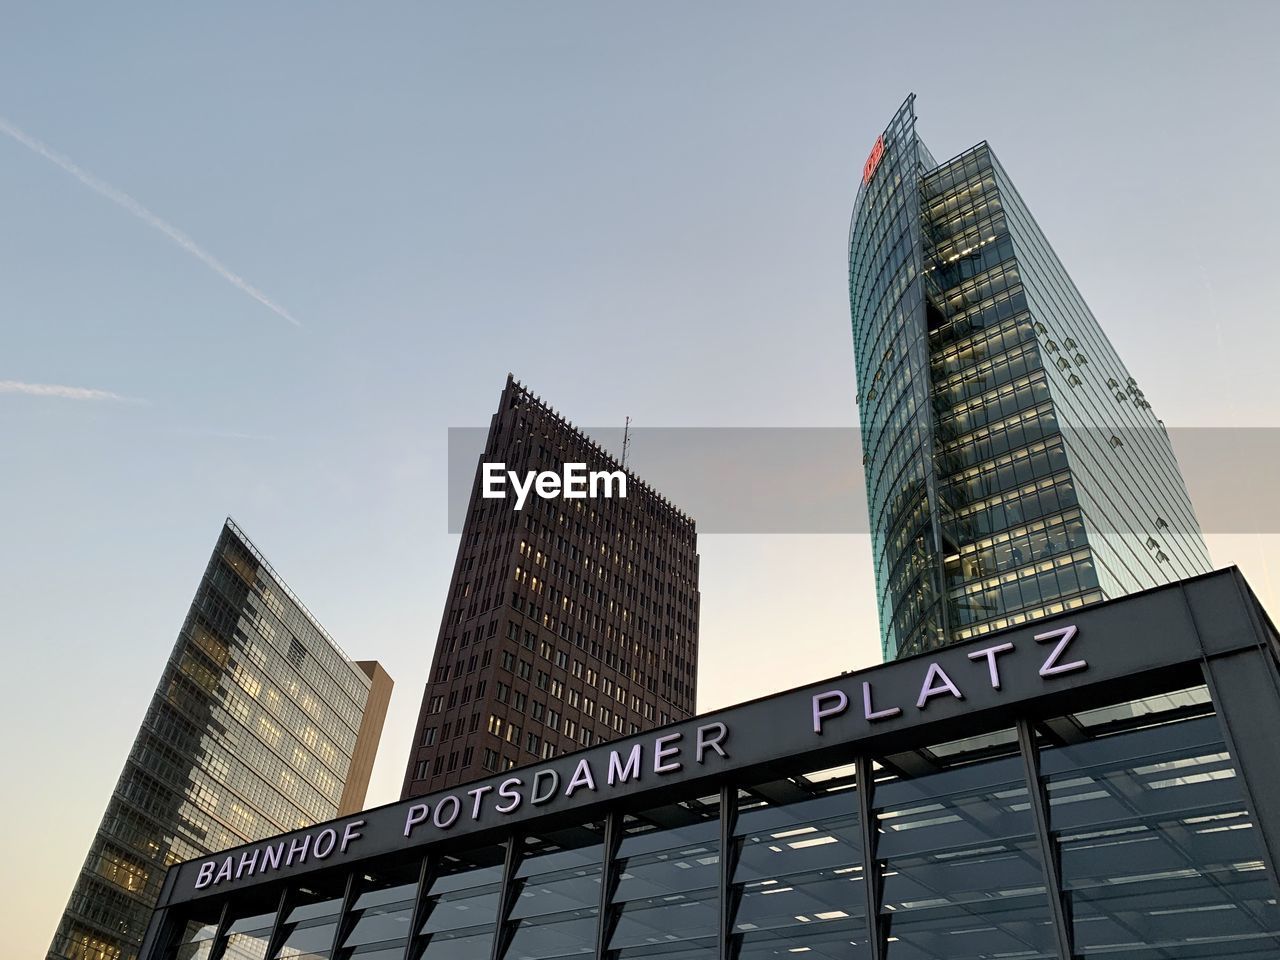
[(277, 928), (156, 941), (415, 915), (161, 930), (728, 861), (1246, 695), (872, 879), (219, 948), (608, 882), (1048, 851), (344, 911), (502, 932)]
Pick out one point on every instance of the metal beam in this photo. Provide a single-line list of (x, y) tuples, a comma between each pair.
[(415, 915), (608, 881), (273, 940), (501, 931), (220, 932), (1048, 851), (1245, 689), (728, 861), (344, 908), (872, 880)]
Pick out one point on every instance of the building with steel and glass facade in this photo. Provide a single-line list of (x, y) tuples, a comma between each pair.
[(259, 724), (1099, 784), (1014, 467)]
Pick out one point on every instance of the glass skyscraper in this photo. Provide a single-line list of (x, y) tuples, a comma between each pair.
[(1014, 467), (259, 724)]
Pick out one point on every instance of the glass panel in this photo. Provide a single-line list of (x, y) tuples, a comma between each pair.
[(247, 938), (460, 909), (196, 939), (557, 887), (666, 901), (798, 881), (308, 929), (249, 925), (381, 912), (1159, 855), (962, 873)]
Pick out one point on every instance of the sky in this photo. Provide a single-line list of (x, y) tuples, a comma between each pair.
[(256, 260)]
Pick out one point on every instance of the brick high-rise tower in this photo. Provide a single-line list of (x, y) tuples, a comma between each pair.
[(569, 622)]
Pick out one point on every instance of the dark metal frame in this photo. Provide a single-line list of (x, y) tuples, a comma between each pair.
[(1209, 628)]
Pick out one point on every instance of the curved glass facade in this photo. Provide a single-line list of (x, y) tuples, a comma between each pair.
[(892, 350), (1014, 469)]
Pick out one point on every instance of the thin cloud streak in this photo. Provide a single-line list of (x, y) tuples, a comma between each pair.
[(146, 216), (57, 390)]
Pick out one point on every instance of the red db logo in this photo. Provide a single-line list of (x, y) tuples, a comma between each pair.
[(873, 161)]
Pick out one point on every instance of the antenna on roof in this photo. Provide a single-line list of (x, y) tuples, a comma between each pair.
[(626, 442)]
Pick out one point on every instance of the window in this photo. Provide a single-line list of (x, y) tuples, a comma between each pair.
[(798, 896), (669, 882), (1156, 843), (428, 737), (464, 903), (559, 879), (972, 841)]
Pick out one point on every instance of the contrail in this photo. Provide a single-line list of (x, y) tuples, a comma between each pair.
[(56, 390), (146, 216)]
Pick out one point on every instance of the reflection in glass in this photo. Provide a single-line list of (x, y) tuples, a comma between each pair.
[(798, 877), (196, 940), (460, 909), (1159, 855), (557, 894), (310, 916), (957, 843), (666, 903), (380, 914)]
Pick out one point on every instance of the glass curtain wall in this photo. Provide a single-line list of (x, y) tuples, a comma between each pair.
[(1013, 532), (892, 350), (1148, 851)]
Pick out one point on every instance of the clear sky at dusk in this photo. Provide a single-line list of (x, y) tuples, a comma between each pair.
[(270, 253)]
